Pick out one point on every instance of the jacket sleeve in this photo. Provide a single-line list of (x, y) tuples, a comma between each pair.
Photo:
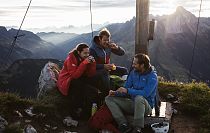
[(74, 70), (147, 90), (128, 84), (120, 51), (91, 69), (129, 81), (93, 53)]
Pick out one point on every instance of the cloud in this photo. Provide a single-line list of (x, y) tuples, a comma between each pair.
[(2, 12), (104, 3), (75, 5), (76, 12)]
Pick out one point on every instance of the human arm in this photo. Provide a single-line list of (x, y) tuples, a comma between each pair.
[(116, 49), (76, 71), (91, 69)]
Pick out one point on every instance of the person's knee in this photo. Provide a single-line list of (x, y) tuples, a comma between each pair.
[(139, 99), (109, 99)]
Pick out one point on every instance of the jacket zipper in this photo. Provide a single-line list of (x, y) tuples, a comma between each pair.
[(105, 56)]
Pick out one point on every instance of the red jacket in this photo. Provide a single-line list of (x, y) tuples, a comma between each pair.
[(73, 69)]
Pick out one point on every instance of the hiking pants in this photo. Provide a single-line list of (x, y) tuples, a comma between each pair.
[(120, 106)]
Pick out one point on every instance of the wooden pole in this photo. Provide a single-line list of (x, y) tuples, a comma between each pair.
[(142, 19), (151, 29)]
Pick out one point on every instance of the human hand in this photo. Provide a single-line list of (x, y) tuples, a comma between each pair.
[(112, 93), (91, 59), (108, 67), (122, 90), (113, 45)]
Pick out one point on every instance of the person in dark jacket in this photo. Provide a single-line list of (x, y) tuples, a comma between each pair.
[(141, 87), (101, 50), (72, 80)]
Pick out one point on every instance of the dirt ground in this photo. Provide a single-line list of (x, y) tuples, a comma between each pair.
[(179, 124), (183, 124)]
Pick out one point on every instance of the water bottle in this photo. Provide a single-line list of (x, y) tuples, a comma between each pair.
[(94, 109), (105, 131)]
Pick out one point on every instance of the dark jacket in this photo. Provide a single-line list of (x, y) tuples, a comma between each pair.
[(101, 55)]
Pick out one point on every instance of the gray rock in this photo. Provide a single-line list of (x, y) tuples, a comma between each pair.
[(68, 121), (3, 123), (175, 111), (29, 129), (170, 96)]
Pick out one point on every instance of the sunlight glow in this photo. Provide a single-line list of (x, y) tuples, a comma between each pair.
[(45, 13)]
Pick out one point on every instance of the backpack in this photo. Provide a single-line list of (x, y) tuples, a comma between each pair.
[(48, 78), (103, 119)]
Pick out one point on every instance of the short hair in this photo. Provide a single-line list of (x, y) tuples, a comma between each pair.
[(104, 32), (143, 59), (81, 46)]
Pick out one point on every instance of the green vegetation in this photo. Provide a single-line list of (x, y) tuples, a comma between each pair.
[(11, 102), (193, 100), (13, 128), (53, 106)]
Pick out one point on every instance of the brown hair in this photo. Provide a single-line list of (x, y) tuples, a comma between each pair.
[(81, 46), (143, 59), (104, 32)]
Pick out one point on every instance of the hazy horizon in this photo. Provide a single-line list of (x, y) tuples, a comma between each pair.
[(64, 13)]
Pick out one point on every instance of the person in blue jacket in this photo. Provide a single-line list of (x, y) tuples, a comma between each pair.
[(141, 87)]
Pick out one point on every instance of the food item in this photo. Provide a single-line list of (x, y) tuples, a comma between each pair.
[(113, 67)]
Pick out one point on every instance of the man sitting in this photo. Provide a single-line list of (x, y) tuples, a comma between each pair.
[(137, 97), (101, 50)]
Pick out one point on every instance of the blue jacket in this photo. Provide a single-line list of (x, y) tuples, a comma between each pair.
[(101, 55), (143, 84)]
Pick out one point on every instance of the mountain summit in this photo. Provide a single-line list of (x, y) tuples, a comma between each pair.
[(175, 21)]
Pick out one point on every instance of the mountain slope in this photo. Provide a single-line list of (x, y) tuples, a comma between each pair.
[(56, 38), (170, 51), (22, 76), (28, 45)]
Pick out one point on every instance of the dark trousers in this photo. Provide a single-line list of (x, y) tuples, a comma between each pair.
[(82, 95), (102, 79)]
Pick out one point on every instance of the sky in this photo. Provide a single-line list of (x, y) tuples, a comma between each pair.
[(58, 13)]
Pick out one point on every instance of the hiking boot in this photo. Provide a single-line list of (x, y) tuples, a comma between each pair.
[(137, 130), (124, 128)]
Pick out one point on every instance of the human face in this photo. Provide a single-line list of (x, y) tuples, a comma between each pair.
[(84, 53), (104, 41), (137, 66)]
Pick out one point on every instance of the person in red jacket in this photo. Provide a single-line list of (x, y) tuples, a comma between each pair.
[(73, 78)]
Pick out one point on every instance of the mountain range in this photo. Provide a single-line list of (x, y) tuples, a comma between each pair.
[(28, 45), (172, 48), (69, 28), (56, 37), (170, 52)]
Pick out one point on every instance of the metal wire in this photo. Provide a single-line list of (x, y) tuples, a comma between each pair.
[(196, 36)]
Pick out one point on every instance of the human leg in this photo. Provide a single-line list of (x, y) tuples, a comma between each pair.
[(141, 108), (118, 106)]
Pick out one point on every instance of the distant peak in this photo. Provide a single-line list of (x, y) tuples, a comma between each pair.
[(180, 8), (2, 28)]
